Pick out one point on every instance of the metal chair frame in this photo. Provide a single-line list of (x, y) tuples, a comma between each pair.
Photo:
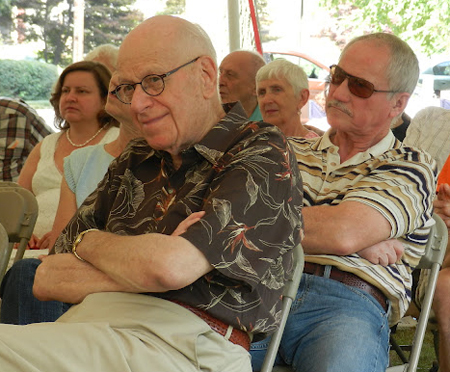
[(18, 215), (289, 294), (432, 260)]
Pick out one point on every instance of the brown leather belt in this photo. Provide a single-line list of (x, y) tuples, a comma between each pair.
[(237, 336), (348, 279)]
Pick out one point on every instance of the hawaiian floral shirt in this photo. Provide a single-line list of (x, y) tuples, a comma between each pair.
[(245, 176)]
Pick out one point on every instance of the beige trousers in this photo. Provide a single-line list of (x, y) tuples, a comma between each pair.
[(120, 332)]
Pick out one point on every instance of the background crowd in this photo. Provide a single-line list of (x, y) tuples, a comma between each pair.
[(143, 183)]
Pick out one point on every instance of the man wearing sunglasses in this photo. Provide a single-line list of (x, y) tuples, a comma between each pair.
[(146, 300), (368, 204)]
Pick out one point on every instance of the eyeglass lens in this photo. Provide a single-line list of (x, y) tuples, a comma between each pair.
[(153, 85), (357, 86)]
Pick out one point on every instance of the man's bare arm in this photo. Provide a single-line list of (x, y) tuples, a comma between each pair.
[(63, 277), (144, 263), (343, 229)]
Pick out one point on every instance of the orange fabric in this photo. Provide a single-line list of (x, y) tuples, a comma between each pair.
[(444, 175)]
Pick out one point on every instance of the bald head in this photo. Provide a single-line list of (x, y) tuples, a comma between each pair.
[(237, 78), (179, 103), (168, 37)]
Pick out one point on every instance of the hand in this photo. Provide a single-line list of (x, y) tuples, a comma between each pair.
[(47, 241), (384, 253), (65, 278), (32, 243), (442, 203), (188, 222)]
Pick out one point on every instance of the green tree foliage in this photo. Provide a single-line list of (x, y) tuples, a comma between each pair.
[(106, 21), (5, 20), (29, 80), (264, 21), (174, 7), (109, 21), (424, 24)]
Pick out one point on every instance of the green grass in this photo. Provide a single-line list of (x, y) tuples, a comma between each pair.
[(427, 356)]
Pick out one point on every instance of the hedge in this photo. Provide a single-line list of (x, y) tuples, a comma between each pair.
[(29, 80)]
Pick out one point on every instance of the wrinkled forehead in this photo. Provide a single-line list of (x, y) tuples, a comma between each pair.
[(144, 53)]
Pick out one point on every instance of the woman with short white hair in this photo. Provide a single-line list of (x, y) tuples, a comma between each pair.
[(282, 91)]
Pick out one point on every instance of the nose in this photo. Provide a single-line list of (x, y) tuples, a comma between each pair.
[(265, 98), (339, 92), (70, 96), (140, 100), (222, 80)]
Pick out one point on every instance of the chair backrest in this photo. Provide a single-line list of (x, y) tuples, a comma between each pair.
[(4, 241), (432, 261), (289, 294), (430, 131), (18, 214)]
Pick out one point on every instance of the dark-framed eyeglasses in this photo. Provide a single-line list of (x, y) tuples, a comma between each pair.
[(152, 84), (357, 86)]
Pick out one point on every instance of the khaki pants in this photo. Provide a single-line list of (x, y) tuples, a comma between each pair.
[(120, 332)]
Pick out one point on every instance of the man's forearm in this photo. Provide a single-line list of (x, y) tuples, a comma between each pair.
[(145, 263), (63, 277), (342, 229)]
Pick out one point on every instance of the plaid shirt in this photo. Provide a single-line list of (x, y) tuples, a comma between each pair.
[(21, 128)]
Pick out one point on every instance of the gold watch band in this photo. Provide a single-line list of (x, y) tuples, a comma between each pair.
[(78, 241)]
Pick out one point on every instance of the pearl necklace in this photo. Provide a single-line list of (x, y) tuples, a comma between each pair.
[(84, 143)]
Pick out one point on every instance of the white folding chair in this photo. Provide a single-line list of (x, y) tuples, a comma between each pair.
[(18, 214), (289, 294), (432, 260), (430, 131)]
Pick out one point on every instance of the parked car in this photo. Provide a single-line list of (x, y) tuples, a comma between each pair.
[(317, 73), (435, 77)]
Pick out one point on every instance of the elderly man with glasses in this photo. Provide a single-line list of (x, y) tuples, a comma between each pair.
[(145, 300), (368, 206)]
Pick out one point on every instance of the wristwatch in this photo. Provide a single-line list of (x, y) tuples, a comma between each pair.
[(78, 241)]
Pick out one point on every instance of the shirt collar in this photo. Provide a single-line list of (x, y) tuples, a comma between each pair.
[(218, 140), (388, 142)]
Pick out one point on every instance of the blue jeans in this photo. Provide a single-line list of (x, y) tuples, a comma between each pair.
[(331, 327), (19, 306)]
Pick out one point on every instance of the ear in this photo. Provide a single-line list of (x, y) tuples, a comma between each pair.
[(209, 76), (399, 102), (303, 98)]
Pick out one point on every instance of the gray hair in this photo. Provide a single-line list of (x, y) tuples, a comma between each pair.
[(106, 54), (403, 70), (283, 69)]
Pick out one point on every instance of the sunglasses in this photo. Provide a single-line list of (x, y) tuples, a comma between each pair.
[(357, 86)]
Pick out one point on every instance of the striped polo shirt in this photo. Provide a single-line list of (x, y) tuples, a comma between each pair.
[(397, 181)]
